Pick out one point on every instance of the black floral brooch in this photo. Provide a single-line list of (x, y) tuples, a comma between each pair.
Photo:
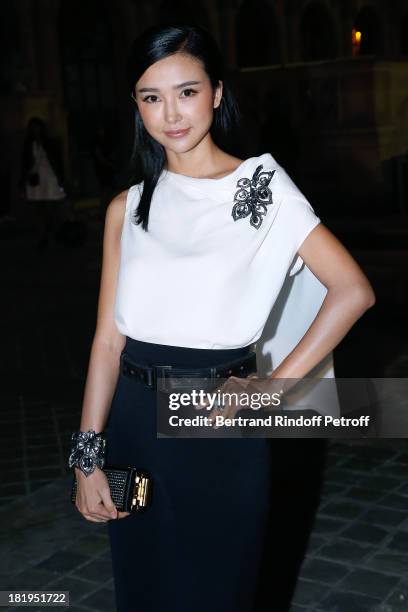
[(253, 196)]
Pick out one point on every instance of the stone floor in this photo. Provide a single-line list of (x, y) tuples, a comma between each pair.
[(357, 559)]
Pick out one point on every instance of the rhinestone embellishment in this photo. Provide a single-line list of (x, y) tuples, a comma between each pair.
[(87, 451), (253, 196)]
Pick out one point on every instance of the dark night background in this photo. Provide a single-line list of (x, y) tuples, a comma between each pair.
[(323, 86)]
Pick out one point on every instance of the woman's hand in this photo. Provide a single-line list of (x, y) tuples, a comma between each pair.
[(244, 387), (93, 498)]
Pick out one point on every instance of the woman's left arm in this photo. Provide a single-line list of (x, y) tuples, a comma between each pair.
[(349, 295)]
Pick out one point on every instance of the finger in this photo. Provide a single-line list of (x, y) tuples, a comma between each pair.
[(201, 403), (234, 387), (213, 420), (251, 382), (254, 386), (212, 416), (220, 412), (108, 507), (231, 409), (91, 518), (95, 509), (215, 391), (123, 514), (237, 402), (99, 514), (206, 402), (230, 385), (233, 382), (86, 512)]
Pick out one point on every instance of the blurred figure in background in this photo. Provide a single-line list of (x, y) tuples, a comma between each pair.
[(42, 179)]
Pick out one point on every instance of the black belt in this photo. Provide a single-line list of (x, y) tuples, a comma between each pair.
[(170, 375)]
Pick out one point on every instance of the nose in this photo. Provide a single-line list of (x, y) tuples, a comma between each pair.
[(171, 112)]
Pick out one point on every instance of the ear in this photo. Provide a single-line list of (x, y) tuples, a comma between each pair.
[(218, 94), (136, 103)]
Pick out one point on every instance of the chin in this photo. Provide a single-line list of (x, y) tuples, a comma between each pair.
[(182, 147), (185, 144)]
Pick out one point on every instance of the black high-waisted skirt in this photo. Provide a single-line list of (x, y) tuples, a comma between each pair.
[(198, 547)]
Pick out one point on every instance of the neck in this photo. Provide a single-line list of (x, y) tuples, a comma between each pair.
[(202, 161)]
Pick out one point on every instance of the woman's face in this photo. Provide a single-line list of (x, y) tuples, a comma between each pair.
[(175, 95)]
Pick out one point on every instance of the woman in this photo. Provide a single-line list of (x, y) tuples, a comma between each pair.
[(194, 255), (41, 179)]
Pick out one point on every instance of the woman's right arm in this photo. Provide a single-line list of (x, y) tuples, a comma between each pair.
[(93, 497)]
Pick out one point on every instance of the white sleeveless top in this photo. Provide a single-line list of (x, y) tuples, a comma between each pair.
[(209, 269)]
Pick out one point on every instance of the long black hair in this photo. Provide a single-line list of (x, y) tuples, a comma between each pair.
[(148, 157)]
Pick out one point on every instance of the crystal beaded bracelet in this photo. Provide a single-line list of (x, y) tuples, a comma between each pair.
[(87, 451)]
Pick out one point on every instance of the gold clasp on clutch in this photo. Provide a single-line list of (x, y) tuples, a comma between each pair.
[(140, 492)]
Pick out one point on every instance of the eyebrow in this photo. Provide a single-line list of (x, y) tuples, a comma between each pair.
[(143, 89)]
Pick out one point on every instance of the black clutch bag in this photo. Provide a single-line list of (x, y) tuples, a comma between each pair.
[(130, 488)]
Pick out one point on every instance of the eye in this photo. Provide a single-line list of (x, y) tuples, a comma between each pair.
[(189, 89), (147, 98)]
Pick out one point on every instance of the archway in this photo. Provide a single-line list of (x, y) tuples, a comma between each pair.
[(87, 69), (368, 23), (317, 33), (257, 35), (12, 72)]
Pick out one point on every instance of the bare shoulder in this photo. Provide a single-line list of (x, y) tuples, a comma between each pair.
[(115, 213), (116, 208)]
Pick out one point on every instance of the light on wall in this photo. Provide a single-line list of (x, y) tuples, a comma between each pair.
[(356, 41)]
